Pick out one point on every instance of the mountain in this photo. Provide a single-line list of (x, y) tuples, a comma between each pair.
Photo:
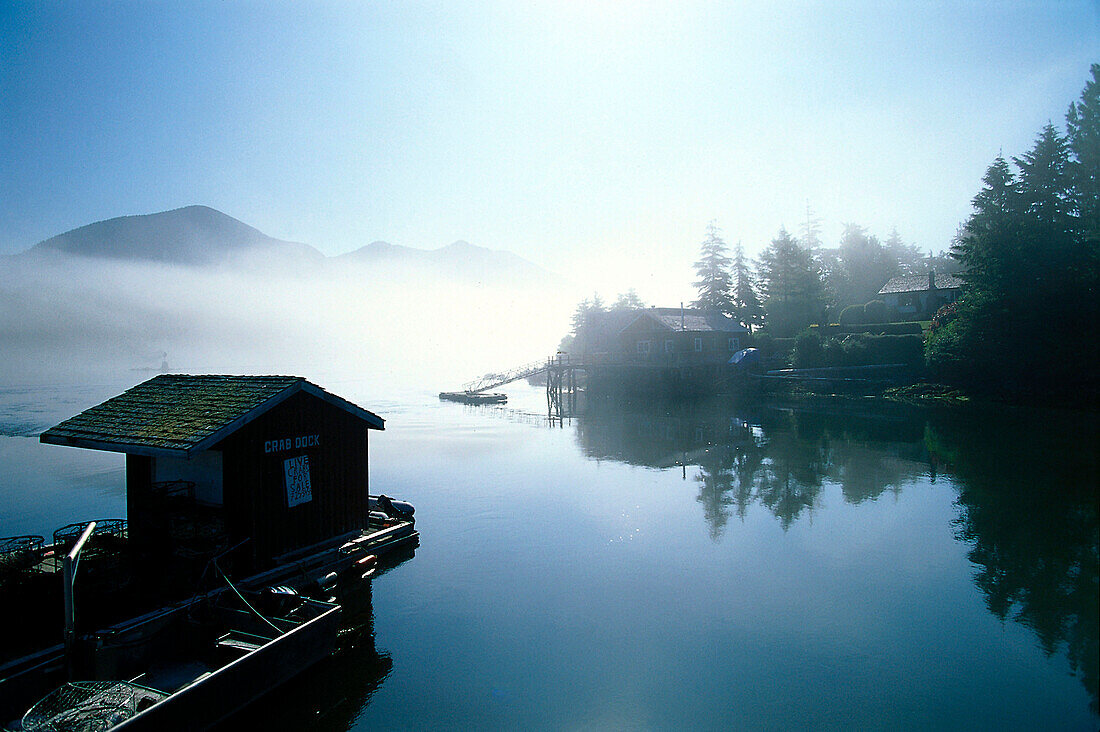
[(460, 260), (189, 235), (200, 235)]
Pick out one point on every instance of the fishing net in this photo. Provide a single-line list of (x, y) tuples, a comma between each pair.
[(19, 552), (89, 706)]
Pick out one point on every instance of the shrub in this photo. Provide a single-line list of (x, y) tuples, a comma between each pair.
[(910, 328), (774, 348), (808, 352), (763, 341), (854, 351), (945, 315), (907, 349), (946, 353), (832, 352), (901, 329), (875, 311), (851, 315)]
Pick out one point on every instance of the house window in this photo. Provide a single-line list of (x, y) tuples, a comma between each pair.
[(643, 347), (668, 346), (698, 345), (735, 344)]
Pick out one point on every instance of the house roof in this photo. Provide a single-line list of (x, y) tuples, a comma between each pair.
[(177, 415), (919, 283), (675, 319)]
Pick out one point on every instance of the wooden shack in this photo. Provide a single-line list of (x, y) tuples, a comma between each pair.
[(681, 337), (275, 462)]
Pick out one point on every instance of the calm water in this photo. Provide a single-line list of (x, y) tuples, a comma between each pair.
[(690, 566)]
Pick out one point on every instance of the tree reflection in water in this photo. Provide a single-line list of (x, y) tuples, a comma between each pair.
[(1027, 487), (778, 458), (1028, 507)]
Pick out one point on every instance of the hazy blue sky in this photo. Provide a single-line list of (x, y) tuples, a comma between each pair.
[(602, 134)]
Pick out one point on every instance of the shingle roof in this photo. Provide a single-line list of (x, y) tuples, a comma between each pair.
[(178, 414), (693, 320), (919, 283)]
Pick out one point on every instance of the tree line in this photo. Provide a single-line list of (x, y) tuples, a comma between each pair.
[(1027, 320), (795, 282)]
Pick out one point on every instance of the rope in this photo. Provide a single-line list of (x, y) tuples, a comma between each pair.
[(246, 603)]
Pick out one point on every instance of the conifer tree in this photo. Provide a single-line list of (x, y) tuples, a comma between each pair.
[(746, 303), (1083, 133), (791, 285), (1046, 192), (811, 231), (1031, 268), (714, 283), (585, 317), (909, 258), (989, 244), (864, 267), (628, 300)]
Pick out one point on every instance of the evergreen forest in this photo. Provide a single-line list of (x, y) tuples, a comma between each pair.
[(1024, 326)]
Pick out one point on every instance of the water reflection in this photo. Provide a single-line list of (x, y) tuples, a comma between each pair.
[(1028, 507), (779, 458), (334, 693), (1026, 482)]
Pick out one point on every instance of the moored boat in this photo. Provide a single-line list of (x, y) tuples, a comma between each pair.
[(471, 397), (191, 665)]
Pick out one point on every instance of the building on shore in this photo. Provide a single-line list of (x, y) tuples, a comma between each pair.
[(920, 296), (660, 349)]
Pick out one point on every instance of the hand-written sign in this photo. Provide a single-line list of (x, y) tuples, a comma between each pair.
[(298, 489), (291, 443)]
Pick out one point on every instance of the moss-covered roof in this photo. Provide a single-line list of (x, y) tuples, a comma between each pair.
[(177, 414), (920, 283), (692, 321)]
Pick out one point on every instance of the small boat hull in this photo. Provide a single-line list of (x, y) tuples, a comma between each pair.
[(467, 397), (203, 661), (215, 697)]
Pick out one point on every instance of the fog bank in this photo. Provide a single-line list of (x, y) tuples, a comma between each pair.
[(69, 319)]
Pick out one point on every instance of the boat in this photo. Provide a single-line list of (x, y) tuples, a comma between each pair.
[(188, 666), (115, 586), (471, 397)]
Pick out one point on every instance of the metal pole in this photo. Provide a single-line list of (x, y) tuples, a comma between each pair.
[(70, 565)]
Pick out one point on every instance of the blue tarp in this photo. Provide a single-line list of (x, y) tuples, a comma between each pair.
[(746, 357)]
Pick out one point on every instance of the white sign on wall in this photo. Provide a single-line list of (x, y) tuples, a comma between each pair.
[(298, 489)]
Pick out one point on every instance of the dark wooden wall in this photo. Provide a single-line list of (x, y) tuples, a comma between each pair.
[(254, 488), (140, 526)]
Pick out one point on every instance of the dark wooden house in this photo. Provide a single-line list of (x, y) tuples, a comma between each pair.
[(275, 462), (658, 350), (681, 337)]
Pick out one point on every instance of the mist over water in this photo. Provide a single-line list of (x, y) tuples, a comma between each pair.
[(71, 319)]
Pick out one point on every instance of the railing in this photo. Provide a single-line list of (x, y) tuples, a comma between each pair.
[(492, 381), (70, 564)]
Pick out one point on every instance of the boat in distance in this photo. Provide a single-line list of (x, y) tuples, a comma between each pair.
[(470, 397)]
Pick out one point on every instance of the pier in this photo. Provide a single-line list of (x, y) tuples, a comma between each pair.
[(561, 382)]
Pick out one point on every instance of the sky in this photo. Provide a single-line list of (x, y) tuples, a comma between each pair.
[(596, 139)]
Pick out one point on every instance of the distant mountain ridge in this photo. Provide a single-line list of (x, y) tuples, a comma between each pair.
[(194, 235), (200, 235)]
